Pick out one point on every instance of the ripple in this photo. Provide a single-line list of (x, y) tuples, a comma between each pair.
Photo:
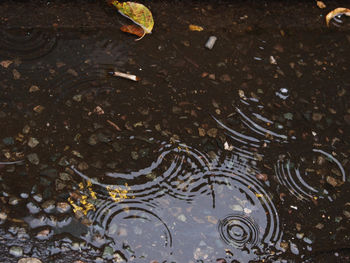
[(26, 44), (133, 222), (239, 231), (175, 196), (178, 171), (238, 189), (254, 124), (305, 177)]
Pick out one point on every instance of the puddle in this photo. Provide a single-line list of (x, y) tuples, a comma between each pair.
[(235, 154)]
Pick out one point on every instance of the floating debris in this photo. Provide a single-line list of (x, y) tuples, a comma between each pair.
[(124, 75), (211, 42), (195, 28)]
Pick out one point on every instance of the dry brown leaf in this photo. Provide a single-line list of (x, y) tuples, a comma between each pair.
[(133, 29), (337, 11), (195, 28), (320, 4)]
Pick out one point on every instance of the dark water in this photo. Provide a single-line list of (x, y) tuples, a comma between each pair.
[(235, 154)]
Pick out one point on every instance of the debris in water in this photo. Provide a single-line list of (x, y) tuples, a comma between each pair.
[(195, 28), (211, 42), (138, 13), (125, 75)]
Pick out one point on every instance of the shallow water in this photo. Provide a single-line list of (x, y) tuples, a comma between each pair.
[(235, 154)]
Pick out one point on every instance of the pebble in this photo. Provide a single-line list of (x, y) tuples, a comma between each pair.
[(44, 234), (33, 208), (38, 197), (93, 140), (212, 132), (14, 200), (33, 142), (48, 206), (62, 207), (33, 158), (29, 260), (3, 217), (16, 251)]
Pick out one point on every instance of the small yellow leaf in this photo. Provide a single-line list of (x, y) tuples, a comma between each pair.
[(337, 11), (320, 4), (195, 28)]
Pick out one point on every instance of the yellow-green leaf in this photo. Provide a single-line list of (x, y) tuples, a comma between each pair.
[(138, 13)]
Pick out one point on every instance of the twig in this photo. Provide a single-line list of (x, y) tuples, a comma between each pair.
[(114, 125)]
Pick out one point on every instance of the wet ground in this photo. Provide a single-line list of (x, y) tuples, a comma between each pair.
[(235, 154)]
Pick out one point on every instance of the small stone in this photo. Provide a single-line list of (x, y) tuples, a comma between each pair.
[(77, 98), (134, 155), (116, 146), (83, 166), (212, 132), (225, 78), (29, 260), (33, 208), (182, 218), (333, 181), (26, 129), (284, 245), (33, 142), (44, 234), (201, 132), (107, 252), (262, 177), (62, 207), (346, 213), (176, 110), (3, 217), (319, 226), (38, 198), (60, 185), (34, 88), (16, 74), (16, 251), (33, 158), (93, 140), (48, 206), (72, 72), (14, 200), (8, 141), (316, 116)]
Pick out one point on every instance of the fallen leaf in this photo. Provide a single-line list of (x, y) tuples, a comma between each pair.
[(133, 29), (138, 13), (337, 11), (195, 28), (6, 63), (320, 4)]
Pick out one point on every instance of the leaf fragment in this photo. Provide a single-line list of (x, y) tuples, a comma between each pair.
[(195, 28), (133, 29), (336, 12), (320, 4)]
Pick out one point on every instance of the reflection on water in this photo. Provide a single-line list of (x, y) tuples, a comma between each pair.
[(307, 176), (182, 205)]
